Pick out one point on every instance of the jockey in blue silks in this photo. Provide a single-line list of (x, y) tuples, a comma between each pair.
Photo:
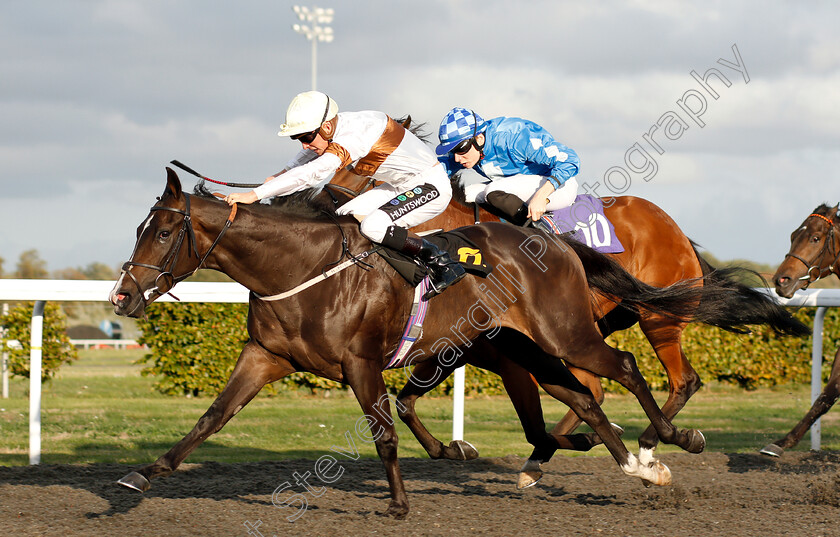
[(528, 172)]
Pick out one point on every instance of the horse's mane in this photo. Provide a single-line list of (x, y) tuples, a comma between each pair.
[(309, 203), (417, 129), (830, 212)]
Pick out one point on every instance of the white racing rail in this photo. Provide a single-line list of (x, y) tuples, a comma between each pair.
[(42, 291), (820, 299)]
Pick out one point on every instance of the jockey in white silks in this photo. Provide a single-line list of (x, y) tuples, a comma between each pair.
[(415, 186)]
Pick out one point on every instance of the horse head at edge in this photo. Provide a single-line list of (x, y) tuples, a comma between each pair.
[(813, 254)]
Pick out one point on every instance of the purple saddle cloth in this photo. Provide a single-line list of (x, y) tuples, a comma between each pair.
[(587, 223)]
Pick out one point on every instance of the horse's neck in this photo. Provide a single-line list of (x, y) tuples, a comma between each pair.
[(834, 267), (271, 252)]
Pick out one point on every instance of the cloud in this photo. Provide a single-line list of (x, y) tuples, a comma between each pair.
[(97, 97)]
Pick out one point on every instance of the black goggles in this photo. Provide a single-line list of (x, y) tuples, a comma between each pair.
[(309, 137), (464, 146), (306, 137)]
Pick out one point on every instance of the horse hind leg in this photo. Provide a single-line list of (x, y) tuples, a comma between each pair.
[(583, 403), (665, 336), (555, 378), (823, 404), (605, 361), (255, 368), (424, 378), (571, 421)]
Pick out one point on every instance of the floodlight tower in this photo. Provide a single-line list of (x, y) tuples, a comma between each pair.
[(315, 30)]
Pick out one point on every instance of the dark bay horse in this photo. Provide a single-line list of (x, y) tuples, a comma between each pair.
[(814, 254), (656, 252), (345, 327)]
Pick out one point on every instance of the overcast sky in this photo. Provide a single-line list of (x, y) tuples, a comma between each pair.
[(96, 97)]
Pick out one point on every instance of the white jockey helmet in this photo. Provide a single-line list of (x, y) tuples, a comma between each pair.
[(307, 112)]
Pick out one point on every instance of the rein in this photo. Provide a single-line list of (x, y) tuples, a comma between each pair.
[(828, 248), (165, 280)]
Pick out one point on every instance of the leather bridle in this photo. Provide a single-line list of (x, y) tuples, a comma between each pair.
[(165, 280), (828, 248)]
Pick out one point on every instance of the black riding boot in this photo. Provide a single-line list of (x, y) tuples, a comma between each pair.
[(514, 210), (507, 206), (442, 269)]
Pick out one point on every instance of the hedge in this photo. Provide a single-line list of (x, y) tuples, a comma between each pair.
[(748, 360), (56, 347), (193, 348)]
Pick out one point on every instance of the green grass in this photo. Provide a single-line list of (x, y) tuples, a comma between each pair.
[(101, 410)]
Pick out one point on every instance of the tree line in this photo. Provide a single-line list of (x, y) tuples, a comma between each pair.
[(30, 266)]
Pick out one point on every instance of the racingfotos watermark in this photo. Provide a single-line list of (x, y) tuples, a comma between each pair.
[(670, 127)]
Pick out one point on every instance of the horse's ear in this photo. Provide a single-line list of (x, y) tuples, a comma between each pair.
[(407, 121), (173, 184)]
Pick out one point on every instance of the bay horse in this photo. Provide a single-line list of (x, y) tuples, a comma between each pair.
[(814, 254), (345, 327), (656, 252)]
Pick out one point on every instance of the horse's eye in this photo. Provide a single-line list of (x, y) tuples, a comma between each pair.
[(163, 235), (815, 238)]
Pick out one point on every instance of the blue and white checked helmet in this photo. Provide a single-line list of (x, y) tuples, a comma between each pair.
[(458, 125)]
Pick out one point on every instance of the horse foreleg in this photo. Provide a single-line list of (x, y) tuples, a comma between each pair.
[(425, 377), (255, 368), (365, 378), (664, 336), (823, 404)]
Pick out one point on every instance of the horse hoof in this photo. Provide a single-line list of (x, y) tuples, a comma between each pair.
[(530, 473), (528, 478), (464, 450), (619, 430), (135, 481), (697, 442), (772, 450), (398, 511), (662, 476)]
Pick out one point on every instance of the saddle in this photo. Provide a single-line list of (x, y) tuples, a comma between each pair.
[(585, 222), (459, 247)]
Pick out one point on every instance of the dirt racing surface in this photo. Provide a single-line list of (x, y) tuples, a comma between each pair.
[(713, 494)]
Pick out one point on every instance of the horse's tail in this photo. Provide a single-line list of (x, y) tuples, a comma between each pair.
[(743, 305), (714, 299)]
